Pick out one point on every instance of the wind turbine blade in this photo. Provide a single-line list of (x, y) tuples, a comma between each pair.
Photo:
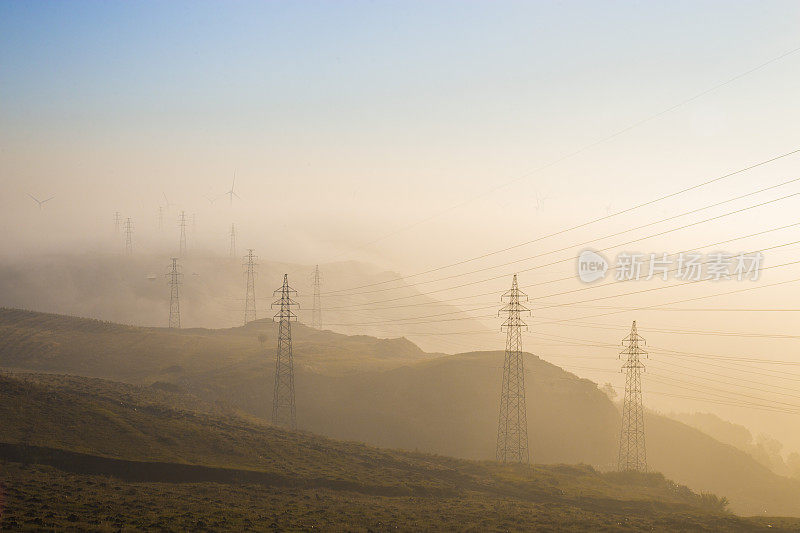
[(43, 201), (237, 196), (34, 198)]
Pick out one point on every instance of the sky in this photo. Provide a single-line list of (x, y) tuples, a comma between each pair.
[(413, 135)]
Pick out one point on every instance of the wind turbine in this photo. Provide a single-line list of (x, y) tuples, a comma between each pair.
[(167, 205), (231, 193), (540, 199), (40, 202)]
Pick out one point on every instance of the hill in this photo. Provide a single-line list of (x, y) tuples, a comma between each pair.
[(104, 455), (763, 448), (94, 348), (133, 290), (389, 394)]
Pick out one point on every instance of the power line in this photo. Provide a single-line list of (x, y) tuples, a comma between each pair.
[(403, 321), (588, 287), (627, 230), (708, 389), (588, 147), (684, 300), (548, 282), (741, 383)]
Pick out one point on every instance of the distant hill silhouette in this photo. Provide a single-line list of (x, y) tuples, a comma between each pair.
[(133, 290)]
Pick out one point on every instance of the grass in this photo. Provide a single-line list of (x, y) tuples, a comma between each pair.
[(39, 497), (89, 347), (315, 482)]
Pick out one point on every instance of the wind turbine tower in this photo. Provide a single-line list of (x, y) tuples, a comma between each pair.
[(231, 193)]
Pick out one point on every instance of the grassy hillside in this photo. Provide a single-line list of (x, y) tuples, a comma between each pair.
[(48, 342), (388, 393), (448, 405), (285, 480)]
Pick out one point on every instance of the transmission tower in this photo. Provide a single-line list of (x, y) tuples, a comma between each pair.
[(174, 279), (250, 294), (632, 455), (160, 218), (512, 431), (233, 241), (128, 226), (182, 224), (283, 410), (117, 221), (316, 313)]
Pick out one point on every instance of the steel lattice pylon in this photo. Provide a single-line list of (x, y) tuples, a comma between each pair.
[(250, 294), (316, 312), (632, 453), (233, 241), (512, 431), (128, 236), (174, 277), (182, 223), (283, 408)]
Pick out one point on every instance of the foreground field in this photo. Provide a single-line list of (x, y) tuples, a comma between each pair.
[(39, 497), (90, 454)]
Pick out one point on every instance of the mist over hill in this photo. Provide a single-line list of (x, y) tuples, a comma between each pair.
[(388, 393), (133, 290), (765, 449)]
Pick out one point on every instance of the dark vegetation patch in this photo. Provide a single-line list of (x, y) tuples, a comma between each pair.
[(41, 497)]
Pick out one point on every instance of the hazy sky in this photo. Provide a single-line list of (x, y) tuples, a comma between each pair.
[(346, 121), (409, 134)]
